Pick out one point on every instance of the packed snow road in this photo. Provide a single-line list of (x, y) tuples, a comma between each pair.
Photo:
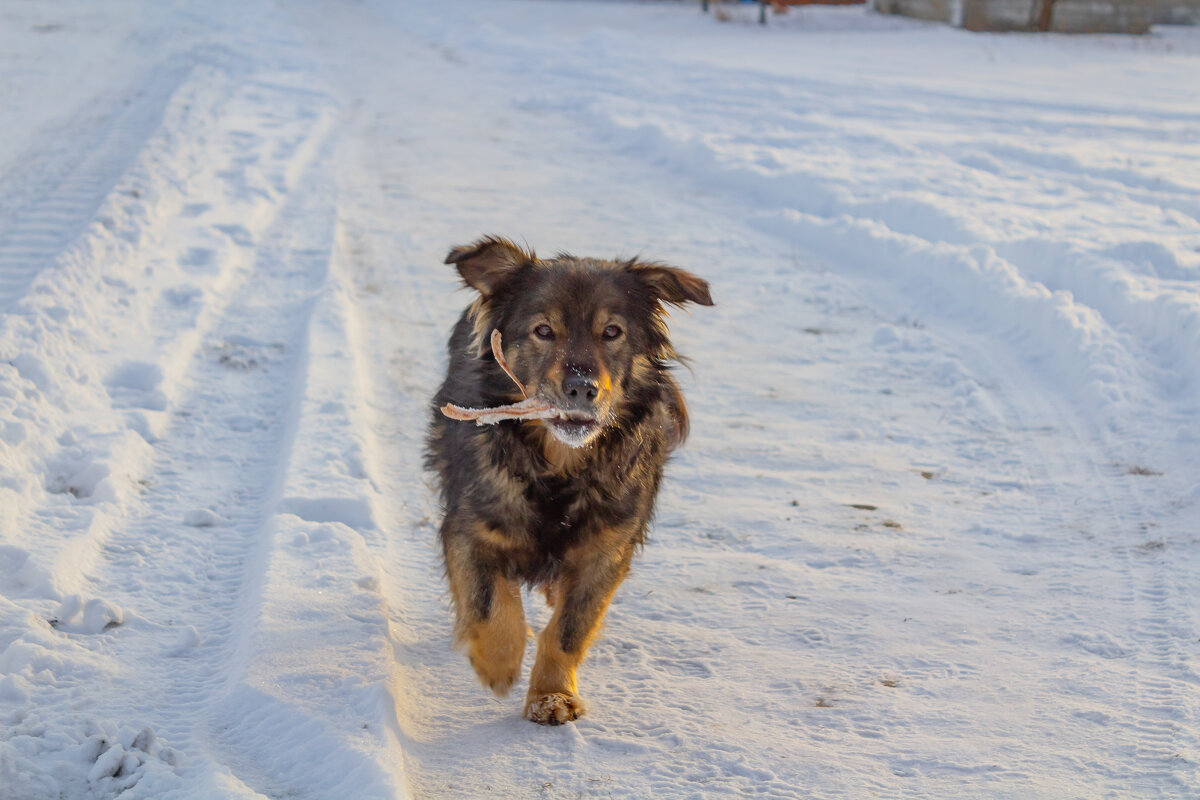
[(934, 535)]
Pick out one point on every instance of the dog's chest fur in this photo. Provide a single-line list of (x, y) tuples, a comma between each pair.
[(543, 508)]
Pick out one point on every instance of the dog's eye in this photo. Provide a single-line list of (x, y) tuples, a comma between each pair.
[(544, 331), (612, 332)]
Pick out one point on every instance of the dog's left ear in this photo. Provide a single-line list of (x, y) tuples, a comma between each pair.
[(488, 262), (672, 284)]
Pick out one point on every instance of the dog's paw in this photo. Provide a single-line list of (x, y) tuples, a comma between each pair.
[(496, 671), (554, 708), (500, 681)]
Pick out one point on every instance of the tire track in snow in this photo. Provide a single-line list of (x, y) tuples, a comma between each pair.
[(1122, 520), (314, 709), (1165, 681), (141, 377), (389, 332), (34, 235), (221, 466), (76, 442), (1115, 519), (232, 377)]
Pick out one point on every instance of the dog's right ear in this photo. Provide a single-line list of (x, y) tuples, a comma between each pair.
[(489, 262), (671, 284)]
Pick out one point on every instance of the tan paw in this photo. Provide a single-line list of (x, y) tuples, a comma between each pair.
[(496, 671), (554, 708)]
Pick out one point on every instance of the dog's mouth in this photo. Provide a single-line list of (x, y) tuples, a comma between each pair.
[(573, 427)]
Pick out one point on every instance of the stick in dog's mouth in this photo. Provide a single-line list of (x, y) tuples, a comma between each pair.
[(498, 354), (527, 409)]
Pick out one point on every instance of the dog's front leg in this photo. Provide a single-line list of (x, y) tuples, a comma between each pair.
[(490, 619), (580, 597)]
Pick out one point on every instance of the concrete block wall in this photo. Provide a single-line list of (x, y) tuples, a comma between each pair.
[(1068, 16)]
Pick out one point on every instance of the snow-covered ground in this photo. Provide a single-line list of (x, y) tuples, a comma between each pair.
[(936, 531)]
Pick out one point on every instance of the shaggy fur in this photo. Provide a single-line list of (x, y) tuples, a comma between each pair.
[(560, 504)]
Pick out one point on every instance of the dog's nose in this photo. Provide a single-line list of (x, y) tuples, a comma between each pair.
[(580, 387)]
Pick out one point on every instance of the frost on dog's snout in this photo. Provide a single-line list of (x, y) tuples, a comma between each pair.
[(574, 433)]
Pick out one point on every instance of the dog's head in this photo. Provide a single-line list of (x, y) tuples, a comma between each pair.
[(585, 334)]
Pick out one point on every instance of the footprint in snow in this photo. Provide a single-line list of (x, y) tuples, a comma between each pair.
[(244, 424), (198, 258), (193, 210), (91, 617), (244, 354), (75, 472), (182, 296), (203, 518), (186, 641), (135, 384), (237, 234), (119, 761)]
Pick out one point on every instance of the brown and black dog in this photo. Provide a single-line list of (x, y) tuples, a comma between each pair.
[(558, 503)]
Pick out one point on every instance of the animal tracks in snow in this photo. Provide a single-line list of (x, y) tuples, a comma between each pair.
[(135, 384), (93, 616)]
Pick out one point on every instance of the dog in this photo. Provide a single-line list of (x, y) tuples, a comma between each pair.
[(560, 504)]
